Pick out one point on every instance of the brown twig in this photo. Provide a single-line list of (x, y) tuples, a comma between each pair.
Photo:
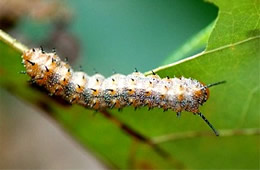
[(131, 132), (141, 138)]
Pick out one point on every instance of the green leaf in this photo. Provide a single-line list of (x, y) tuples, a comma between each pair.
[(238, 20), (156, 139)]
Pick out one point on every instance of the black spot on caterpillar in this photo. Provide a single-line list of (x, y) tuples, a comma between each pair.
[(99, 93)]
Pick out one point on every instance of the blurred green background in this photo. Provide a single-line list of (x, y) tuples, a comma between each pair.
[(141, 33)]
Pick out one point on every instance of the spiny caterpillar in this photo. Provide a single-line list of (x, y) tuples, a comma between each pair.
[(96, 92)]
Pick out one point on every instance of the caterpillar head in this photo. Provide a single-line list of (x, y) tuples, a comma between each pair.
[(203, 93)]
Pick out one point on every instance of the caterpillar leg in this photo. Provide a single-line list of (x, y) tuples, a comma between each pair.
[(178, 114)]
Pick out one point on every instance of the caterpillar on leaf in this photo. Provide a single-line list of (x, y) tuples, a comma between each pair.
[(118, 91)]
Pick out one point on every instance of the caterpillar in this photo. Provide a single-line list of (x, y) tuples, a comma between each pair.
[(118, 91)]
